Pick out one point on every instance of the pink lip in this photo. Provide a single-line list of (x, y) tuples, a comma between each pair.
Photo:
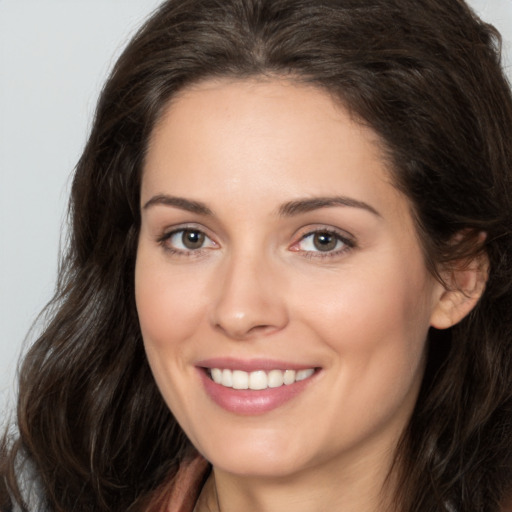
[(250, 365), (249, 402)]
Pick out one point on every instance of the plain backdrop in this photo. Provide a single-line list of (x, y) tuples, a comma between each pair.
[(54, 57)]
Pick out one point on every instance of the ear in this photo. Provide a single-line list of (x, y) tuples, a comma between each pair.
[(464, 284)]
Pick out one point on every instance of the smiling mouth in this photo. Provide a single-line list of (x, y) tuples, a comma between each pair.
[(259, 379)]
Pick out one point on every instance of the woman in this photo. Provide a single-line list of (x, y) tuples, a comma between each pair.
[(289, 277)]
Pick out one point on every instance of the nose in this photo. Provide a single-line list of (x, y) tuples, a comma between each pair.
[(250, 300)]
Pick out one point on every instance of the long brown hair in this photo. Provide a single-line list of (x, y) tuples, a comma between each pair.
[(426, 77)]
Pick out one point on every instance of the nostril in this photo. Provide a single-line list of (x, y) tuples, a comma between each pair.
[(245, 308), (244, 331)]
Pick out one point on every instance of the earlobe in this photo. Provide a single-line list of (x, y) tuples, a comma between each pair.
[(463, 287)]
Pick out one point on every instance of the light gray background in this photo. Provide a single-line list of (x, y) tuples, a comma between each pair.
[(54, 57)]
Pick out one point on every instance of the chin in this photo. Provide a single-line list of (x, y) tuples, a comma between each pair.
[(255, 457)]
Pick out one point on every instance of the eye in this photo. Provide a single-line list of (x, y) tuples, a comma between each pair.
[(323, 241), (187, 240)]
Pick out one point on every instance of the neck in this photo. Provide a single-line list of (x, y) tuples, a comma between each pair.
[(351, 487)]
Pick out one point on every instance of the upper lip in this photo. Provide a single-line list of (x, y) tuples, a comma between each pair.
[(251, 365)]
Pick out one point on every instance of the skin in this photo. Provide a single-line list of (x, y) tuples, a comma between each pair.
[(259, 288)]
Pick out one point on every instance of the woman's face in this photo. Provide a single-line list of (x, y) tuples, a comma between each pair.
[(282, 294)]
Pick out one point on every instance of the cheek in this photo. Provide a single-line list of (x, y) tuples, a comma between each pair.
[(359, 303), (168, 302), (376, 323), (168, 313)]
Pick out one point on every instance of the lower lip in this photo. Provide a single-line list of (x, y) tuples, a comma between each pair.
[(251, 402)]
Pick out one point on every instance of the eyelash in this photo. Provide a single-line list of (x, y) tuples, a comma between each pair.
[(348, 243), (164, 242)]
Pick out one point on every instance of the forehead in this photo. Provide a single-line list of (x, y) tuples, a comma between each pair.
[(265, 103), (273, 137)]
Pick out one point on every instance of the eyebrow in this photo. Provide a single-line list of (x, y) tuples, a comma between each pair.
[(299, 206), (178, 202), (289, 209)]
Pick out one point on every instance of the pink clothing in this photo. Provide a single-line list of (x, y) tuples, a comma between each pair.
[(187, 485)]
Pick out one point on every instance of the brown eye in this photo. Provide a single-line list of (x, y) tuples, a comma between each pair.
[(187, 241), (325, 241), (192, 239)]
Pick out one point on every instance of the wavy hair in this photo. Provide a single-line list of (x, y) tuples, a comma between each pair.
[(426, 77)]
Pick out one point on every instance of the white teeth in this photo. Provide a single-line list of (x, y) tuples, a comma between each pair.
[(217, 375), (227, 378), (240, 379), (289, 377), (275, 378), (304, 374), (259, 379)]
